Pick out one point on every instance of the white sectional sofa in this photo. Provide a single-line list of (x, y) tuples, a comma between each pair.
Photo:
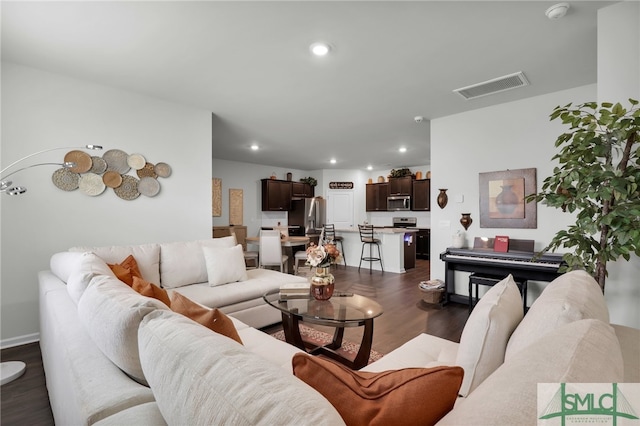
[(112, 356)]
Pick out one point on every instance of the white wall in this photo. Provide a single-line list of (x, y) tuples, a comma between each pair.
[(42, 110), (515, 135), (619, 80)]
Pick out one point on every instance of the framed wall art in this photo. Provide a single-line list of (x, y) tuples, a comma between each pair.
[(502, 203)]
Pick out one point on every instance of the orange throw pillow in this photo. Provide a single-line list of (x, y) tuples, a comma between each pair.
[(213, 319), (151, 290), (126, 270), (409, 396)]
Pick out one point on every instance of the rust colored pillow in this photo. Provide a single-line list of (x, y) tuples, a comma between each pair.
[(213, 319), (151, 290), (409, 396), (126, 270)]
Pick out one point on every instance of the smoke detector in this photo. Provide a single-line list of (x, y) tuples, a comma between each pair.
[(557, 11)]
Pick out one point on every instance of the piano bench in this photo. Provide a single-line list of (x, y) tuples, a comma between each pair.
[(475, 280)]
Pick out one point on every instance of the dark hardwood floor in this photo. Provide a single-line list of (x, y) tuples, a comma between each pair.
[(25, 401)]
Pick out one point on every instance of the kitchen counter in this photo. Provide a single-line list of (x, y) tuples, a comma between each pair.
[(392, 247)]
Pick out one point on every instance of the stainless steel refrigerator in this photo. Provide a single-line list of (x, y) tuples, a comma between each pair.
[(315, 214)]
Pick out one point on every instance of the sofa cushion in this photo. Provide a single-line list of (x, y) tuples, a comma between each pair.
[(227, 385), (147, 257), (148, 289), (585, 351), (259, 282), (182, 263), (146, 414), (570, 297), (225, 265), (111, 312), (213, 319), (486, 334), (126, 270), (89, 266), (408, 396), (65, 263)]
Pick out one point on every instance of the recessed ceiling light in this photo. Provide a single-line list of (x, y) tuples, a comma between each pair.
[(333, 161), (254, 147), (369, 167), (320, 49), (403, 149)]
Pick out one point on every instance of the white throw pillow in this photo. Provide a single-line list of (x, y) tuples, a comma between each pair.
[(584, 351), (88, 267), (111, 312), (182, 263), (65, 263), (570, 297), (225, 265), (486, 333), (147, 257), (199, 377)]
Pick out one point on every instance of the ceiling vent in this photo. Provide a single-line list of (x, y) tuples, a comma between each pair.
[(500, 84)]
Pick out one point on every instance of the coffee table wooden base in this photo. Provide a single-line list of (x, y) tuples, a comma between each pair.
[(291, 328)]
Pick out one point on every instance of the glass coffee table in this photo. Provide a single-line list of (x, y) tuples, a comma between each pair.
[(342, 310)]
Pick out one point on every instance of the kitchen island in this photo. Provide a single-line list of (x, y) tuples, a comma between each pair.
[(392, 247)]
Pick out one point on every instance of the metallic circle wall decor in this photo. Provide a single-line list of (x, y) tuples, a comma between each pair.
[(81, 159), (94, 174), (129, 188), (117, 161), (91, 184), (65, 179)]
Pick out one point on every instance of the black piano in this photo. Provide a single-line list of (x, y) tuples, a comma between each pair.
[(522, 264)]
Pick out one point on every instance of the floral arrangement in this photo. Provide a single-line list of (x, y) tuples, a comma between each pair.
[(322, 256)]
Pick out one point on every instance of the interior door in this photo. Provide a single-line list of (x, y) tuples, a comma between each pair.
[(340, 208)]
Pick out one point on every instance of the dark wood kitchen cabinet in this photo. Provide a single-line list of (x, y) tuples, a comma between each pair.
[(376, 197), (276, 195), (400, 186), (421, 195), (303, 190), (423, 243)]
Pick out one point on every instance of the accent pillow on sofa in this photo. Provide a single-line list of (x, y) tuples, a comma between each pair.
[(213, 319), (202, 378), (89, 266), (182, 263), (126, 270), (409, 396), (585, 351), (570, 297), (225, 265), (487, 331), (147, 257), (151, 290), (111, 312)]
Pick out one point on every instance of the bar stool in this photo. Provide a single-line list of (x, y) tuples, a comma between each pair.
[(330, 235), (488, 280), (367, 238)]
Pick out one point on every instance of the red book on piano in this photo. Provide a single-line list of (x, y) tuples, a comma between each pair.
[(501, 243)]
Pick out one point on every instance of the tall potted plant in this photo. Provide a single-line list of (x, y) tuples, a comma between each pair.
[(598, 177)]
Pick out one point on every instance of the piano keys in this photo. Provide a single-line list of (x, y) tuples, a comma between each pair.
[(521, 265)]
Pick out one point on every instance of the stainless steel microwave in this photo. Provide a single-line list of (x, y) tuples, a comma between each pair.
[(399, 202)]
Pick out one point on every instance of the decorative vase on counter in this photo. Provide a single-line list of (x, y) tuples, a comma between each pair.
[(466, 220), (443, 199), (322, 283)]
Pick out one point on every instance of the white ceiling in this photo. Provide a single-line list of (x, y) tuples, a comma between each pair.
[(249, 64)]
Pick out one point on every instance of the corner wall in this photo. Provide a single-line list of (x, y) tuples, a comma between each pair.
[(41, 110)]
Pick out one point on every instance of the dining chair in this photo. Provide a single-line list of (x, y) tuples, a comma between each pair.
[(367, 238), (271, 250), (250, 257), (329, 231)]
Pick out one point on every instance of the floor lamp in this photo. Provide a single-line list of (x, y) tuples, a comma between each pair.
[(11, 370)]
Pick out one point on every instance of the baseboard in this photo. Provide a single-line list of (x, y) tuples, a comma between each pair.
[(19, 341)]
